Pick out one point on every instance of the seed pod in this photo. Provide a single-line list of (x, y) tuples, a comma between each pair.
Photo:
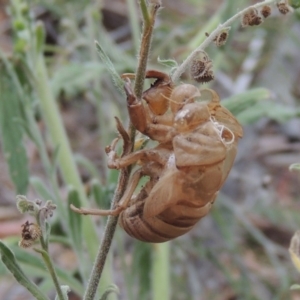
[(30, 233), (201, 68), (251, 18), (283, 7), (221, 38), (266, 11)]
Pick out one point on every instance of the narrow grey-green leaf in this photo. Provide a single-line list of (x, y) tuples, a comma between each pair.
[(295, 287), (65, 290), (75, 219), (241, 102), (119, 83), (39, 36), (278, 112), (52, 271), (168, 62), (11, 131), (295, 167), (34, 264), (111, 289), (12, 265), (142, 266), (87, 164), (98, 194), (73, 78), (40, 188)]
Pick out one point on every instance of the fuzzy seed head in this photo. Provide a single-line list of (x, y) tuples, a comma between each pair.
[(201, 69), (251, 18), (266, 11), (197, 68), (30, 233), (221, 38), (283, 7)]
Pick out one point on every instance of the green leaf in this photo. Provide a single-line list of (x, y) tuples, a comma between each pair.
[(241, 102), (65, 290), (12, 265), (248, 107), (279, 112), (294, 3), (98, 194), (111, 289), (32, 263), (11, 131), (295, 287), (118, 82), (75, 219), (3, 269), (168, 62), (142, 265), (295, 167), (40, 188), (72, 79), (87, 164), (39, 36)]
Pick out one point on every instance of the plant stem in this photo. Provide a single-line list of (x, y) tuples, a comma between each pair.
[(106, 241), (144, 50), (145, 12), (51, 269), (124, 173), (185, 64)]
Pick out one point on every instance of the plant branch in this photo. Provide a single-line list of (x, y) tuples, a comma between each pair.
[(51, 269), (149, 19), (185, 64), (144, 50)]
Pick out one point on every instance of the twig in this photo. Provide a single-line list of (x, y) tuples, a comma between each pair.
[(185, 64)]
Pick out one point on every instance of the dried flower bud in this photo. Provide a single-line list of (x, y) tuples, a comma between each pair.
[(251, 18), (201, 68), (266, 11), (283, 7), (47, 210), (38, 202), (221, 38), (30, 233)]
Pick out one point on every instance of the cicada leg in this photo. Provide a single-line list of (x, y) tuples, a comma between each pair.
[(156, 155), (123, 203)]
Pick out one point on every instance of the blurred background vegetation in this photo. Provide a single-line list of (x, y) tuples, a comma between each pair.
[(239, 251)]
